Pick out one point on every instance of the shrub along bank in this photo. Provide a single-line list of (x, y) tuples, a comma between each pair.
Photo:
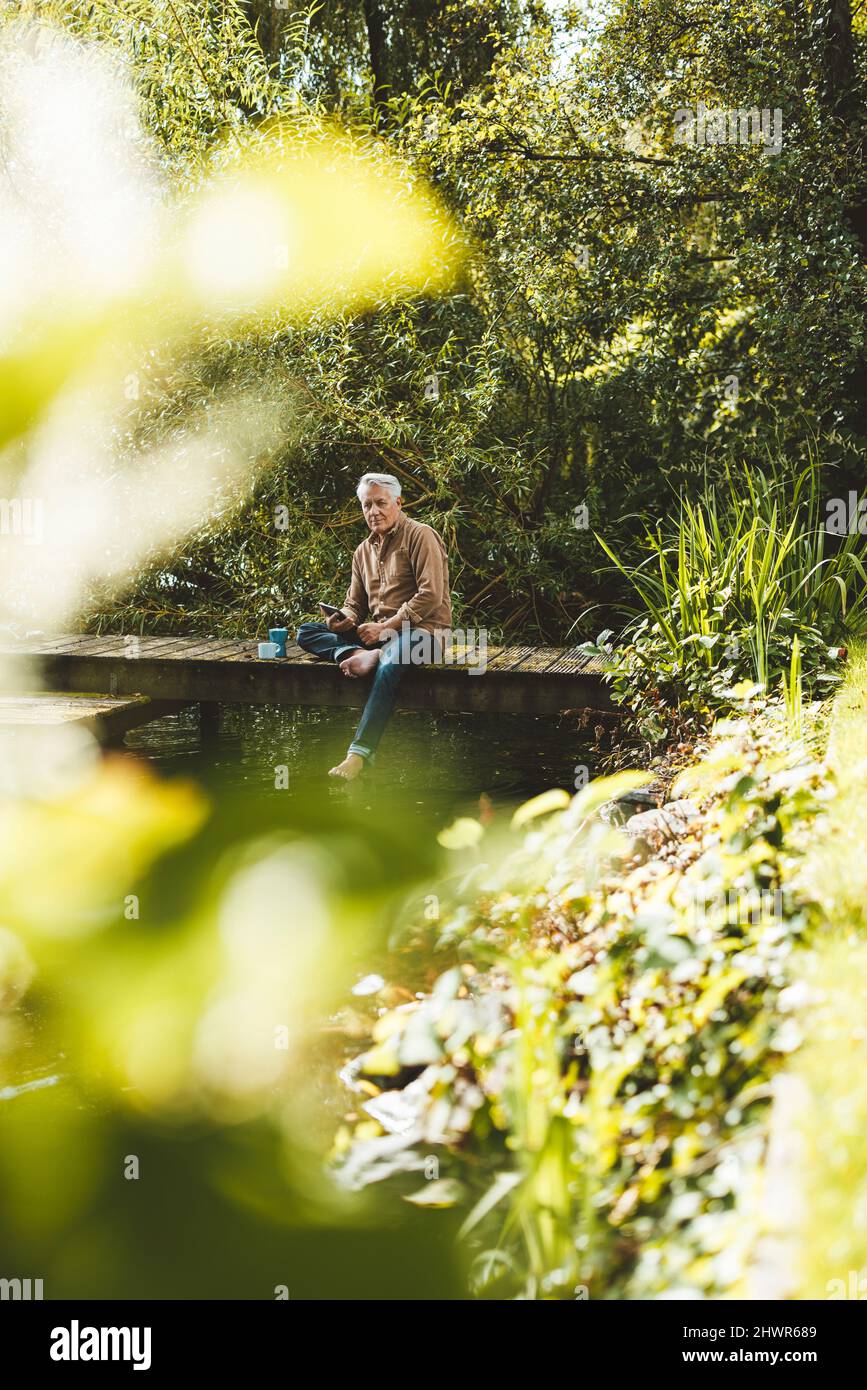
[(735, 585), (601, 1075)]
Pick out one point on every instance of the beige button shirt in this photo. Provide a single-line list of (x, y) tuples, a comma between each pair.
[(404, 573)]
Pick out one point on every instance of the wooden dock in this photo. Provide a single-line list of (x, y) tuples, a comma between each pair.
[(517, 680), (108, 717)]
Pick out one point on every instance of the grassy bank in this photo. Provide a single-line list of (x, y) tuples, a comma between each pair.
[(824, 1103), (629, 1051)]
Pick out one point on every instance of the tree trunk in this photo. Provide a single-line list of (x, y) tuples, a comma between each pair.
[(838, 59), (844, 104), (374, 20)]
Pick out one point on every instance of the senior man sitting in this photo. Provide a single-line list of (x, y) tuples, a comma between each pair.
[(398, 598)]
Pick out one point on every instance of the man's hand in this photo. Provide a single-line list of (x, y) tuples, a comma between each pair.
[(374, 632), (338, 624)]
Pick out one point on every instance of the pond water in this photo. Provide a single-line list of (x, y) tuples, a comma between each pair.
[(430, 768), (431, 764), (237, 1210)]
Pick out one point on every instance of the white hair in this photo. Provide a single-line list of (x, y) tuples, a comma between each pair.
[(379, 480)]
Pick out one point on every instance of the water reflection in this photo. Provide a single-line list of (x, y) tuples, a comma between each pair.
[(151, 1038), (432, 764)]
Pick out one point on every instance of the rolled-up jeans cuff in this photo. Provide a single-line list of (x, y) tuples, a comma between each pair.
[(362, 750), (341, 652)]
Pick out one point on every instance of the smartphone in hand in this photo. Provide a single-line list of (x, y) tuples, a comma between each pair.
[(329, 610)]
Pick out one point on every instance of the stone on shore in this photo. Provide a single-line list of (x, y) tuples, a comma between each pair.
[(653, 830)]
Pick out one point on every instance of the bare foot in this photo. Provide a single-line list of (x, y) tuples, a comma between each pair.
[(360, 663), (350, 768)]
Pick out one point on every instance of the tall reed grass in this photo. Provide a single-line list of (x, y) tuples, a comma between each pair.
[(744, 568)]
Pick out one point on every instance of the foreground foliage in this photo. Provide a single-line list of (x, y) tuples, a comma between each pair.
[(823, 1163), (593, 1072)]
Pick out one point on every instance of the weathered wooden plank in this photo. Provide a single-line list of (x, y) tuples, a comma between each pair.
[(241, 650), (573, 662), (55, 709), (160, 646), (538, 660), (58, 643), (221, 651), (91, 642), (188, 650), (107, 716), (296, 653), (492, 653), (176, 648), (109, 644), (14, 645), (167, 645), (508, 657)]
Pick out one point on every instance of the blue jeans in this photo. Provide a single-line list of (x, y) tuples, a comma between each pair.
[(409, 647)]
